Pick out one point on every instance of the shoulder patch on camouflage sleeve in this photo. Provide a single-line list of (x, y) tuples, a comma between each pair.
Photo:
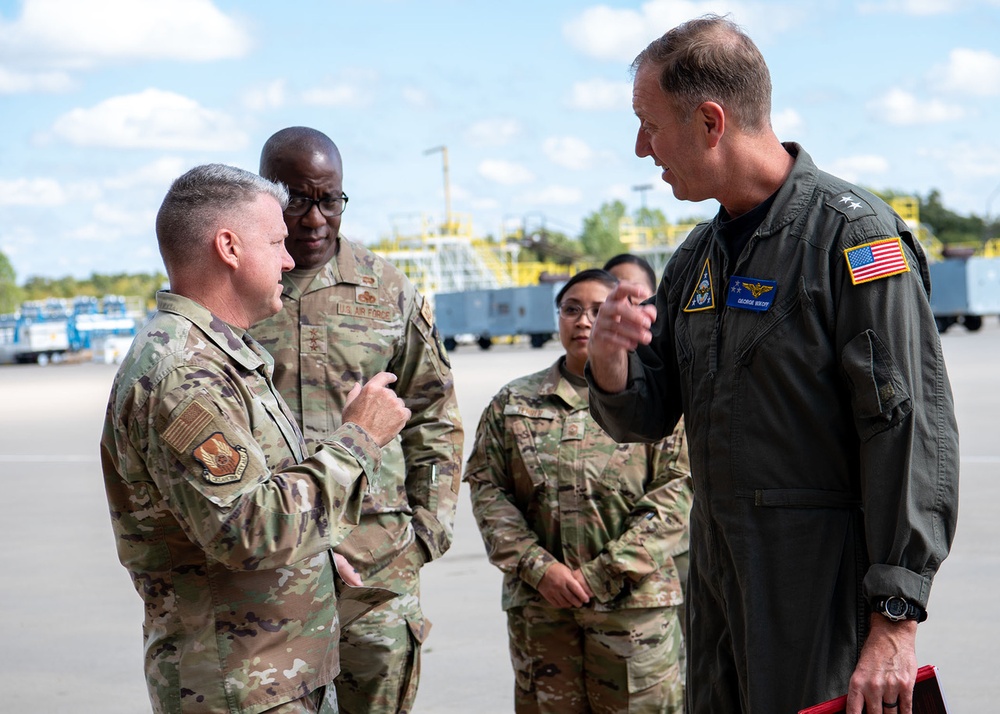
[(851, 206), (189, 423), (427, 312), (222, 461)]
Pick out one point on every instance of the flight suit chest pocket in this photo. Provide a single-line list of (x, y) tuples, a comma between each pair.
[(313, 339)]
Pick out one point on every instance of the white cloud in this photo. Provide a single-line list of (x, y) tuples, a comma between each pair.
[(569, 152), (920, 8), (73, 34), (554, 196), (600, 94), (45, 192), (157, 174), (613, 34), (152, 119), (901, 108), (12, 82), (272, 95), (969, 72), (417, 98), (858, 168), (493, 132), (609, 33), (32, 192), (968, 161), (505, 172), (787, 123), (336, 95)]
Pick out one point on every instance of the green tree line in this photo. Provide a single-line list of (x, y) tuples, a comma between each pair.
[(599, 239)]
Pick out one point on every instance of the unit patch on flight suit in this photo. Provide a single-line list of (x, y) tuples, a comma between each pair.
[(750, 293), (703, 297), (223, 462)]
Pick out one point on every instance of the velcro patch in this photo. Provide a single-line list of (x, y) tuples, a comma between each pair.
[(364, 296), (312, 339), (878, 259), (369, 312), (703, 297), (223, 462), (851, 205), (427, 312), (751, 293), (518, 410), (189, 423)]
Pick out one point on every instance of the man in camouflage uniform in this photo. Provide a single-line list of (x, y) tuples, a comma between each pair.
[(556, 498), (347, 315), (223, 524)]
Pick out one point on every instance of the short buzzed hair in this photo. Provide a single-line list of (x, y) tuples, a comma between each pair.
[(293, 140), (198, 199), (711, 59)]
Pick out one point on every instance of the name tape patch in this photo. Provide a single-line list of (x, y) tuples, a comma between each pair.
[(751, 293)]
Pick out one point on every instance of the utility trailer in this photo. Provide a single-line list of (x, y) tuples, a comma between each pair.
[(482, 315), (964, 291)]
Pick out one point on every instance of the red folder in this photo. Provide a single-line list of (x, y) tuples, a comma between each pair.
[(928, 698)]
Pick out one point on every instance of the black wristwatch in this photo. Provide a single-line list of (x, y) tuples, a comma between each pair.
[(897, 609)]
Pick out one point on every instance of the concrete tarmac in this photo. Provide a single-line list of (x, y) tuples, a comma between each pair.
[(70, 621)]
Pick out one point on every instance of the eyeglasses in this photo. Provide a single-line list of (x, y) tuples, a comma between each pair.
[(329, 207), (572, 311)]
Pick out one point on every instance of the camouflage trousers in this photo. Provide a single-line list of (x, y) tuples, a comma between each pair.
[(380, 652), (581, 660), (318, 701)]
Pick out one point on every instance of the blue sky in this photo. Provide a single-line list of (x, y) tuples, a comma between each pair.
[(104, 102)]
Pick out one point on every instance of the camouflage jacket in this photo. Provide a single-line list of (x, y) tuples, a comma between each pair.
[(548, 485), (360, 316), (222, 525)]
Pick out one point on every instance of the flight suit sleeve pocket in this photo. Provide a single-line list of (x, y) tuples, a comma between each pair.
[(878, 392)]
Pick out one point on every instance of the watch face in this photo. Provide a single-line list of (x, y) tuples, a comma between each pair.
[(895, 607)]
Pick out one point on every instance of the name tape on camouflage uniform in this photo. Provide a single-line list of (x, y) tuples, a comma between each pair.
[(371, 312)]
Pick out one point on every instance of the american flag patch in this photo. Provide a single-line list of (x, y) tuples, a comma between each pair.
[(875, 260)]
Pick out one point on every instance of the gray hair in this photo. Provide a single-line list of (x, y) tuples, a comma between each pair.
[(197, 200), (711, 59)]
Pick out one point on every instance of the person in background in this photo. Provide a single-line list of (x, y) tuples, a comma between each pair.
[(631, 268), (793, 332), (583, 530), (348, 315), (222, 519)]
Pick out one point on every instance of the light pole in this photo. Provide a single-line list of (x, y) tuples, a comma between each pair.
[(642, 188), (447, 189)]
